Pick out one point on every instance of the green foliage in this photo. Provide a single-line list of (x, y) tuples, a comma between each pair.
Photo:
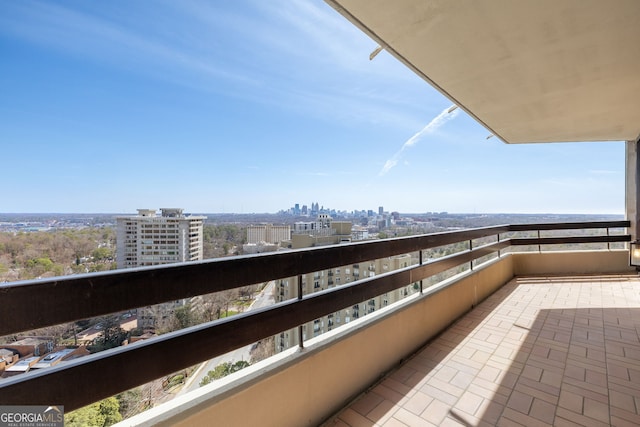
[(174, 381), (222, 370), (78, 269), (97, 267), (228, 232), (102, 254), (184, 317), (44, 263), (218, 240), (227, 313), (38, 266), (99, 414), (110, 410), (35, 253), (112, 335)]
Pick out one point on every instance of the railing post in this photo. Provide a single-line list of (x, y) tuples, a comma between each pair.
[(300, 334), (539, 245), (470, 248), (608, 243), (420, 262)]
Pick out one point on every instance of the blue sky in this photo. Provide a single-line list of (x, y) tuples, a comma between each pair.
[(252, 106)]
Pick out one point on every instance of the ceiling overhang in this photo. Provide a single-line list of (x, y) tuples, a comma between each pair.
[(529, 71)]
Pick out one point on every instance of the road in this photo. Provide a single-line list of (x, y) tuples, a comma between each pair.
[(264, 299)]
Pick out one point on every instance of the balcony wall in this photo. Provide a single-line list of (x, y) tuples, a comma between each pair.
[(306, 386), (581, 262)]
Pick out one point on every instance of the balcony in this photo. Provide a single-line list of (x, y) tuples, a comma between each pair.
[(542, 350), (311, 384)]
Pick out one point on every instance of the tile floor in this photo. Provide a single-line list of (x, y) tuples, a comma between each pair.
[(561, 351)]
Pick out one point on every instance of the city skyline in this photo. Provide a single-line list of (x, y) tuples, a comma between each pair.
[(250, 106)]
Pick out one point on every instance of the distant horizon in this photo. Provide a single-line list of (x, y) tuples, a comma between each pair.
[(339, 210)]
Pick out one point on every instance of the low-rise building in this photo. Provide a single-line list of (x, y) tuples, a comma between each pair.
[(268, 233), (27, 346), (7, 358), (21, 366), (52, 358)]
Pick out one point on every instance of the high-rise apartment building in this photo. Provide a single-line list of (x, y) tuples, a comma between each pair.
[(325, 231), (151, 239), (148, 239)]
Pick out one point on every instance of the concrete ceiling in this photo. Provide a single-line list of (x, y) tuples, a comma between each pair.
[(529, 71)]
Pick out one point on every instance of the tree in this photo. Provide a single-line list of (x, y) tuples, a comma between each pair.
[(57, 332), (247, 291), (38, 266), (183, 317), (99, 414), (210, 307), (110, 411), (29, 255), (226, 298), (112, 334), (102, 254), (222, 370), (216, 305), (130, 402), (220, 240)]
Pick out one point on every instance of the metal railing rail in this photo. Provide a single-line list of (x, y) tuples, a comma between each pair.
[(34, 304), (71, 298)]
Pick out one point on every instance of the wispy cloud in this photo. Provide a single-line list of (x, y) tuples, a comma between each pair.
[(433, 125), (246, 53)]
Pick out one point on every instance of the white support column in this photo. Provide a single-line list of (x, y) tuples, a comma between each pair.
[(632, 201)]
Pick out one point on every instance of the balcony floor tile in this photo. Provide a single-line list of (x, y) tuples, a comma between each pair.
[(540, 351)]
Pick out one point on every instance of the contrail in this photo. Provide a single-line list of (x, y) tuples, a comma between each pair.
[(446, 115)]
